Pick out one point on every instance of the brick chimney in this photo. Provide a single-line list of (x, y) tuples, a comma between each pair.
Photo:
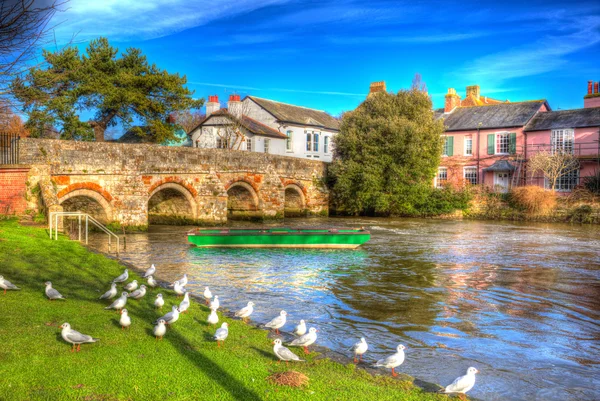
[(592, 99), (376, 87), (452, 100), (234, 105), (474, 91), (212, 105)]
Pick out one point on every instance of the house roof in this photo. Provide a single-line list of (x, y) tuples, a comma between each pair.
[(503, 115), (296, 114), (576, 118), (255, 127), (500, 165)]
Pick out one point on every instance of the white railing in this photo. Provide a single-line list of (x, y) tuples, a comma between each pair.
[(53, 227)]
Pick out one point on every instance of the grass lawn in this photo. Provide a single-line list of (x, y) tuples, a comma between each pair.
[(36, 364)]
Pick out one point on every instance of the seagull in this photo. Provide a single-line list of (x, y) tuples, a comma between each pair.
[(462, 384), (170, 317), (283, 353), (110, 293), (185, 304), (221, 333), (151, 282), (139, 293), (300, 330), (159, 301), (214, 304), (359, 348), (7, 285), (74, 337), (131, 286), (51, 293), (150, 272), (123, 277), (119, 303), (160, 329), (277, 322), (245, 311), (178, 288), (305, 340), (213, 318), (207, 295), (393, 361), (184, 280), (125, 320)]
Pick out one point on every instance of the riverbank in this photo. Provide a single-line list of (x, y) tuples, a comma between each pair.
[(37, 364)]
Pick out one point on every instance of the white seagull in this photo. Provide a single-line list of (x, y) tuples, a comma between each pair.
[(305, 340), (462, 384), (170, 317), (359, 348), (119, 303), (110, 293), (277, 322), (221, 333), (151, 282), (184, 280), (7, 285), (283, 353), (123, 277), (51, 293), (214, 304), (150, 272), (207, 295), (185, 304), (139, 293), (246, 311), (74, 337), (160, 329), (125, 320), (393, 361), (131, 286), (178, 288), (300, 330), (213, 318), (159, 301)]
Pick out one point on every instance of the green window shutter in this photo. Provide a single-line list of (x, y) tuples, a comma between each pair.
[(513, 143), (491, 139), (450, 145)]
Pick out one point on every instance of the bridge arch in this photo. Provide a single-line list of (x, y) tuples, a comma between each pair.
[(294, 200), (241, 198), (88, 201), (171, 200)]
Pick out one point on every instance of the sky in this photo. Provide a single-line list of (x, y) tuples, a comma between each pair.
[(324, 54)]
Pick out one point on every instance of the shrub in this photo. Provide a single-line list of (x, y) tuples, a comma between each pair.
[(592, 183), (533, 200), (582, 214)]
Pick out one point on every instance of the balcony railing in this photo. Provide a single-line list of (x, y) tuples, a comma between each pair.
[(584, 150)]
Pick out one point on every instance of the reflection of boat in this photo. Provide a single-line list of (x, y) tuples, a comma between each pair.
[(279, 237)]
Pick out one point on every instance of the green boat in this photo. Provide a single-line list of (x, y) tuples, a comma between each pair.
[(278, 237)]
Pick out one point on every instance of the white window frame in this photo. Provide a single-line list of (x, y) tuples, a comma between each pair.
[(249, 144), (560, 138), (326, 140), (289, 141), (445, 147), (219, 142), (267, 143), (470, 139), (563, 184), (507, 133), (476, 174), (309, 141), (436, 181), (316, 139)]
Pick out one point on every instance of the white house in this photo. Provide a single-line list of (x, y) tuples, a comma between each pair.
[(262, 125)]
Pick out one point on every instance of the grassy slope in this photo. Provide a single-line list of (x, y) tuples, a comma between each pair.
[(35, 363)]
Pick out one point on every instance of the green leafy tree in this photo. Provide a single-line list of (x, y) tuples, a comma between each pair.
[(387, 154), (116, 90)]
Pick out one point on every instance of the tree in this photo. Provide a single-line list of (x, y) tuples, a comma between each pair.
[(11, 123), (386, 154), (116, 90), (188, 119), (553, 165), (418, 83)]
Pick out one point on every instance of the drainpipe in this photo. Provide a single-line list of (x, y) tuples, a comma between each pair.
[(478, 145), (524, 161)]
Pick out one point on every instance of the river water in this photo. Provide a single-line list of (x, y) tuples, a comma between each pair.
[(520, 302)]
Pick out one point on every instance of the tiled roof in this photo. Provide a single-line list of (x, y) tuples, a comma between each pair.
[(504, 115), (255, 127), (576, 118), (482, 101), (296, 114)]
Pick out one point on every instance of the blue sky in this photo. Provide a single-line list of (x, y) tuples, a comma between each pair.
[(324, 54)]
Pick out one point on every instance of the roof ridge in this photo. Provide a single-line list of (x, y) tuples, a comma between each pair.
[(503, 103), (287, 104), (258, 122)]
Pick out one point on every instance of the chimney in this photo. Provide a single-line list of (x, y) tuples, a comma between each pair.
[(212, 105), (592, 99), (595, 87), (452, 100), (234, 105), (590, 87), (474, 91), (376, 87)]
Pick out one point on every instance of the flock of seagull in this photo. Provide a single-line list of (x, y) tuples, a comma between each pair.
[(304, 338)]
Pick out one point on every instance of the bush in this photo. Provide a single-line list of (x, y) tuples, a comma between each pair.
[(582, 214), (592, 183), (533, 200)]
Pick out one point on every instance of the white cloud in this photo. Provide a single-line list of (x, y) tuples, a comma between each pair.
[(417, 39)]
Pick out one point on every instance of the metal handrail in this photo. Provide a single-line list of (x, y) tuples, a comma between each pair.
[(54, 218)]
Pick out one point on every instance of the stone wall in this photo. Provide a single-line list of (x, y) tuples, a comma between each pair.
[(122, 179)]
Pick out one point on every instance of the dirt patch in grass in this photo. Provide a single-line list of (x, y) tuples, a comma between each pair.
[(290, 378)]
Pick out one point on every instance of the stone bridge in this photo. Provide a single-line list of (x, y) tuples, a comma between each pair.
[(140, 184)]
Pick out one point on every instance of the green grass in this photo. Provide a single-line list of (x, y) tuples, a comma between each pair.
[(36, 364)]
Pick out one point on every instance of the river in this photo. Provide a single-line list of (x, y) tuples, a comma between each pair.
[(518, 301)]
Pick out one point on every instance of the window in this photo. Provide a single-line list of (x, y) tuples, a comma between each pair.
[(503, 143), (267, 145), (448, 146), (562, 140), (315, 142), (442, 177), (288, 141), (249, 144), (468, 146), (219, 143), (326, 144), (308, 141), (470, 175), (566, 183)]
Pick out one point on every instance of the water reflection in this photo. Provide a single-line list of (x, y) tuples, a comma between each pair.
[(519, 301)]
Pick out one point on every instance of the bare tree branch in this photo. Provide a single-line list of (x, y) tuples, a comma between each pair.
[(553, 165)]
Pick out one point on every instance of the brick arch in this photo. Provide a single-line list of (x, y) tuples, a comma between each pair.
[(99, 197), (246, 185), (236, 181), (299, 190), (91, 186), (173, 180), (182, 189)]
